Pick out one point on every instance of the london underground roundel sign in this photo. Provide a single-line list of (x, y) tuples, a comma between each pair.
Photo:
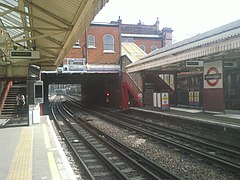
[(212, 77), (213, 74)]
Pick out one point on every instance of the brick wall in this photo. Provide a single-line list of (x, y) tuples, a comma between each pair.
[(148, 43), (97, 55)]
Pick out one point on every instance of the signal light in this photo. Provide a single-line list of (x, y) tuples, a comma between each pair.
[(107, 94)]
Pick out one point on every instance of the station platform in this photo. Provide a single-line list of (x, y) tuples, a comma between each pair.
[(33, 153), (198, 115)]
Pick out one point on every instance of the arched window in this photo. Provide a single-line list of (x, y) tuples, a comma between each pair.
[(91, 41), (143, 48), (153, 47), (108, 43)]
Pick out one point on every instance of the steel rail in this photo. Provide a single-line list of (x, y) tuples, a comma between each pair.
[(152, 168), (208, 157)]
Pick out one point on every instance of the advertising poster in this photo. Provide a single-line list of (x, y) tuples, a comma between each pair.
[(165, 101)]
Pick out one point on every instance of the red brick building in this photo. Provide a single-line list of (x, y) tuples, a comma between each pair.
[(147, 37), (101, 43)]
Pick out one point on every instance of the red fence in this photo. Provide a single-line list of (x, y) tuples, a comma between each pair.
[(4, 94), (128, 84)]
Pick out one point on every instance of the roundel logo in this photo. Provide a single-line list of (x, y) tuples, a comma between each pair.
[(212, 77)]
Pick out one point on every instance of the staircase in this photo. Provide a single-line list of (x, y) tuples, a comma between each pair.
[(156, 83), (10, 106), (160, 84), (129, 86)]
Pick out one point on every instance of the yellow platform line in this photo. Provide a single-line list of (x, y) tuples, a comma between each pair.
[(21, 166), (51, 160)]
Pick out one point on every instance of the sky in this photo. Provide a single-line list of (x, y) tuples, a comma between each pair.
[(186, 17)]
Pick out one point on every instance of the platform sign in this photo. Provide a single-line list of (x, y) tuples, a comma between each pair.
[(165, 101), (213, 75), (16, 54)]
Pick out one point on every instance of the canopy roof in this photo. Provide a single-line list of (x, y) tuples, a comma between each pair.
[(132, 51), (220, 43), (51, 27)]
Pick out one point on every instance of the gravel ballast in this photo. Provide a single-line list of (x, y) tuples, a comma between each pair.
[(181, 163)]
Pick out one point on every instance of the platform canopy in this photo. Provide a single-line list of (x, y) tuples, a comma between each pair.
[(222, 43), (48, 27)]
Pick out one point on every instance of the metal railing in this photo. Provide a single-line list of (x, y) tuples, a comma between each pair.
[(4, 94)]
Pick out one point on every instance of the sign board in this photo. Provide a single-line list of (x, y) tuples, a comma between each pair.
[(24, 54), (194, 63), (230, 64), (213, 75), (165, 101)]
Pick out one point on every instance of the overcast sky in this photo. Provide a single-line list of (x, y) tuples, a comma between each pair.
[(186, 17)]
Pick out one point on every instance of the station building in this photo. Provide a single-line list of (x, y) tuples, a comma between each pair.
[(199, 72)]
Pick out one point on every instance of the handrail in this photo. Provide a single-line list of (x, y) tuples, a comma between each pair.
[(129, 84), (5, 95), (135, 83), (134, 95), (162, 82), (128, 79)]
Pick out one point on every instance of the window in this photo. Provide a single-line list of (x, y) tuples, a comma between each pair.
[(91, 41), (108, 43), (143, 48), (153, 48), (77, 44)]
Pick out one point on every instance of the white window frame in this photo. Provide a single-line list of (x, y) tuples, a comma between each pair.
[(93, 42), (143, 47), (108, 50), (154, 45)]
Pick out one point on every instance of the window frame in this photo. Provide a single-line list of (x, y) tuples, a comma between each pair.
[(143, 47), (93, 45), (154, 45), (112, 44)]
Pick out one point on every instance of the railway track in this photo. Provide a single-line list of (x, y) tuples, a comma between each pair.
[(100, 158), (216, 154)]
